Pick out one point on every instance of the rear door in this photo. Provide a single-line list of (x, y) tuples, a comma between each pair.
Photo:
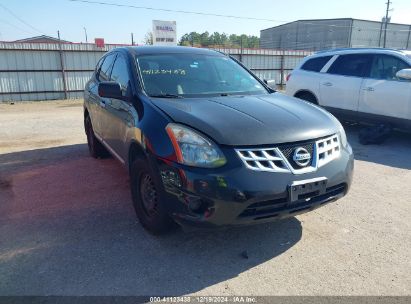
[(341, 84), (97, 103), (308, 76), (119, 113), (383, 93)]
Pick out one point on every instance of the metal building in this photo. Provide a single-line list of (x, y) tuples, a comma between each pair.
[(322, 34)]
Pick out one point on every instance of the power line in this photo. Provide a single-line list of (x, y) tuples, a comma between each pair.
[(174, 11), (21, 20), (217, 15), (16, 27)]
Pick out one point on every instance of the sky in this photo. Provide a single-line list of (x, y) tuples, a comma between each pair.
[(26, 18)]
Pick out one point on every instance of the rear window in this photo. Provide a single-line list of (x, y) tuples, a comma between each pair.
[(315, 64)]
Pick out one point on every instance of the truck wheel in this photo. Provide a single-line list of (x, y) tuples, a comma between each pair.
[(148, 199), (95, 147)]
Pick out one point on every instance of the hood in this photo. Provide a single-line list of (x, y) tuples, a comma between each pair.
[(251, 120)]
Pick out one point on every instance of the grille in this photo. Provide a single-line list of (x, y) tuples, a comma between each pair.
[(263, 159), (328, 149), (280, 158), (288, 152)]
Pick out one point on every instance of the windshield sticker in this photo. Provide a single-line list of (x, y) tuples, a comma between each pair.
[(194, 65), (164, 72)]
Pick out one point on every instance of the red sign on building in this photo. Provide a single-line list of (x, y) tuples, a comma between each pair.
[(99, 42)]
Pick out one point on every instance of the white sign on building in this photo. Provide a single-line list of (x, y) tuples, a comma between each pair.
[(164, 32)]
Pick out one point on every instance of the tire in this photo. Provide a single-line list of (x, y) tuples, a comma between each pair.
[(148, 198), (307, 97), (95, 148)]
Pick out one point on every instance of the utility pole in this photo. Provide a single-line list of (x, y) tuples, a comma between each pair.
[(241, 48), (85, 33), (386, 22), (63, 72), (132, 39)]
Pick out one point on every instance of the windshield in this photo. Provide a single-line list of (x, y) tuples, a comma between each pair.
[(194, 75)]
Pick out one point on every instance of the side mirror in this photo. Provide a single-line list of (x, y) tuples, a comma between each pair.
[(271, 83), (404, 74), (110, 89)]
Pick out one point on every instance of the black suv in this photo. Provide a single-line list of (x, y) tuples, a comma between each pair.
[(207, 143)]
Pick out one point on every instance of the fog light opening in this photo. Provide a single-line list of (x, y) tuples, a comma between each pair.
[(200, 206), (195, 204)]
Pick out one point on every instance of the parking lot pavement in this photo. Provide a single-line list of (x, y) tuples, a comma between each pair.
[(67, 226)]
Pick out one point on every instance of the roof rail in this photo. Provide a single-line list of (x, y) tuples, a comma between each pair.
[(348, 49)]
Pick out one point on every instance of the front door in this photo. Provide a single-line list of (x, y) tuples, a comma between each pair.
[(383, 93), (340, 86)]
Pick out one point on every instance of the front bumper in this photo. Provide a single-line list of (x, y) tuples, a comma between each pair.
[(236, 195)]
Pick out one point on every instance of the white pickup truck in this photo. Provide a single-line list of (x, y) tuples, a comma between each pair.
[(364, 85)]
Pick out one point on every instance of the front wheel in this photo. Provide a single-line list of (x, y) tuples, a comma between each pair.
[(148, 199)]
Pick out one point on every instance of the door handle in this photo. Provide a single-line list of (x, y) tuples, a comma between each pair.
[(102, 103), (327, 84), (369, 89)]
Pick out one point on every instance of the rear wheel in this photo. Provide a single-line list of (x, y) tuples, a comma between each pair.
[(148, 199), (95, 147), (307, 96)]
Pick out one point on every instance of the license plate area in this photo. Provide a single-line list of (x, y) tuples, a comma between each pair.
[(307, 189)]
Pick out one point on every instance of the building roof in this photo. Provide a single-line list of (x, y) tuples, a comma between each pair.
[(308, 21), (42, 38)]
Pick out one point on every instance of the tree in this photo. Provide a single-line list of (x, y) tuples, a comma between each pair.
[(205, 39), (148, 38), (217, 39)]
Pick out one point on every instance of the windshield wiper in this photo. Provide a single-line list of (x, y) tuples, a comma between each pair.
[(166, 96)]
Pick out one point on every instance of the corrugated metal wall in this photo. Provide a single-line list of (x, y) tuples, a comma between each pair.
[(371, 34), (33, 71), (307, 35), (268, 64), (335, 33)]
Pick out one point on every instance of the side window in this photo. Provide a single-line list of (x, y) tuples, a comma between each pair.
[(104, 73), (357, 65), (386, 66), (315, 64), (120, 73)]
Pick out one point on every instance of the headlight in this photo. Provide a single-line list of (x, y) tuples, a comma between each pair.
[(343, 136), (193, 149)]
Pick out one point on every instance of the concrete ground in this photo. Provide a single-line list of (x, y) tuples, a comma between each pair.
[(67, 226)]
